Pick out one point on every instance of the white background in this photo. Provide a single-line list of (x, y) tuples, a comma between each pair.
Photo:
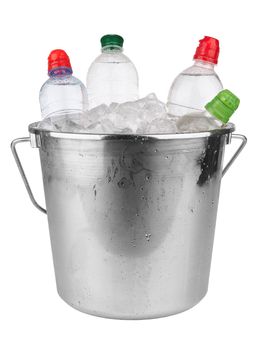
[(160, 38)]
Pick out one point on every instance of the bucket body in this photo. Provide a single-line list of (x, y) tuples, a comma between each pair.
[(132, 219)]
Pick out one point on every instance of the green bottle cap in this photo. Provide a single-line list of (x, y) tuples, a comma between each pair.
[(111, 40), (223, 105)]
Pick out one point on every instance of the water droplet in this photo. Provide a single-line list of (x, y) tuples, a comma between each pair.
[(156, 150), (166, 157), (124, 183), (143, 197), (137, 214), (192, 210), (148, 236), (141, 188), (147, 178), (142, 140)]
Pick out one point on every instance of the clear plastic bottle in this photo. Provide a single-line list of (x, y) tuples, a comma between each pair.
[(199, 83), (112, 77), (62, 93), (217, 113)]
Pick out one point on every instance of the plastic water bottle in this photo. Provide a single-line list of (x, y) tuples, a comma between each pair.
[(112, 77), (198, 84), (217, 113), (62, 93)]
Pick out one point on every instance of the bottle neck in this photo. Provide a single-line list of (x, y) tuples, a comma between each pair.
[(204, 64), (112, 48), (60, 71)]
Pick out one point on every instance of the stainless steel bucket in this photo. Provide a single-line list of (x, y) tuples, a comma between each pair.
[(131, 218)]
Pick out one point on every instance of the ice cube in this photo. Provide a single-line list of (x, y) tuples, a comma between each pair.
[(113, 106), (142, 127), (151, 108), (125, 116), (68, 125), (95, 128), (108, 126), (148, 98), (97, 113), (127, 131), (162, 126), (196, 122), (73, 122), (46, 124), (154, 111)]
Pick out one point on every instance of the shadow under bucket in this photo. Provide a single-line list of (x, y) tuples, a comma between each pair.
[(131, 218)]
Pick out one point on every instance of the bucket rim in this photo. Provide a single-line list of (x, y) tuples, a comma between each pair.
[(34, 129)]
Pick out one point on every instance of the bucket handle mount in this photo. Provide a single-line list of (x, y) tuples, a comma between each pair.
[(30, 193)]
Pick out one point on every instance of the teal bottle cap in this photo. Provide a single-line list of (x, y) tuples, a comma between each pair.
[(223, 105), (111, 40)]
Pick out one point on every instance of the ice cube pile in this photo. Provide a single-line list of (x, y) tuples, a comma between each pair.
[(144, 116)]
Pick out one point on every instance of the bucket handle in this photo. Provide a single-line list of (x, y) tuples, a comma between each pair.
[(22, 173), (238, 151)]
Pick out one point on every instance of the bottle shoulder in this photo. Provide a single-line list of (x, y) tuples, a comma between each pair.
[(116, 65), (112, 57), (198, 70), (61, 80), (196, 76)]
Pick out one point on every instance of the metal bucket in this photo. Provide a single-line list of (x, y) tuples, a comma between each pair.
[(131, 218)]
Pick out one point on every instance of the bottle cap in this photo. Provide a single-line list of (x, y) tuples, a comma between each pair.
[(111, 40), (207, 50), (58, 58), (223, 105)]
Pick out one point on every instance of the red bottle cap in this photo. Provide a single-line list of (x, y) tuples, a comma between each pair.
[(208, 50), (58, 58)]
